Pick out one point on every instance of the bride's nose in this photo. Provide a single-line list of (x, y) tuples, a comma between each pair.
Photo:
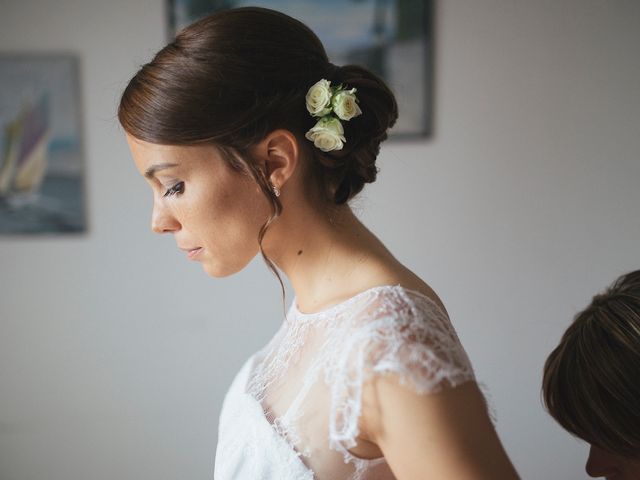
[(162, 220)]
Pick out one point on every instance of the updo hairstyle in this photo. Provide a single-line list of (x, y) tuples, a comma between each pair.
[(236, 75)]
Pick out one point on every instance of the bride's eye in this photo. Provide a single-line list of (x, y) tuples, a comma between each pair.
[(178, 188)]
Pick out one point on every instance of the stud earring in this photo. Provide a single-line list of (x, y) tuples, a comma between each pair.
[(276, 190)]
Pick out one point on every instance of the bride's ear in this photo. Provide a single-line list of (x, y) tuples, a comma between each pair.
[(278, 154)]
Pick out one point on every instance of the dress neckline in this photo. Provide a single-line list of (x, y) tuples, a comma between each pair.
[(331, 310)]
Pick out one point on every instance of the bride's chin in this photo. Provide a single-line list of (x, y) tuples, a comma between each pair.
[(218, 272), (221, 270)]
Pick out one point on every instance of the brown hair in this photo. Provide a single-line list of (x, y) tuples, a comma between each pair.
[(234, 76), (591, 381)]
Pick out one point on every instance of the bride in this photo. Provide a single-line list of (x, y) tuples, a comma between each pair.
[(252, 142)]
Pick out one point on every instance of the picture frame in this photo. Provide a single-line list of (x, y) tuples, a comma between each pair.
[(41, 144), (393, 38)]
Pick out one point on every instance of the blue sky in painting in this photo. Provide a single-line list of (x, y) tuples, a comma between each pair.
[(341, 24)]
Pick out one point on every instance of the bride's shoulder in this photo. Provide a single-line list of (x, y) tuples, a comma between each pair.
[(424, 290), (411, 285), (395, 308)]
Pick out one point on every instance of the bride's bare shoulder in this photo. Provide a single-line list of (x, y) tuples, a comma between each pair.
[(401, 275)]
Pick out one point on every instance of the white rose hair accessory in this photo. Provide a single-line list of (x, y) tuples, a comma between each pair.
[(330, 104)]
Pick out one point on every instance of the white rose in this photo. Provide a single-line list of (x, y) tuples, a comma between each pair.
[(327, 134), (319, 98), (345, 104)]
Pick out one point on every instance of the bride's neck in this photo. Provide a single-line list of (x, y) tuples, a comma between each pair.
[(325, 255)]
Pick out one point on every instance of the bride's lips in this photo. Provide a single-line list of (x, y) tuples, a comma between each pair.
[(192, 252)]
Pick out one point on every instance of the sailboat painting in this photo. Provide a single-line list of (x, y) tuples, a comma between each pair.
[(41, 161)]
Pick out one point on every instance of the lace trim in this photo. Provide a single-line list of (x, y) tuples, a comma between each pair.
[(333, 310)]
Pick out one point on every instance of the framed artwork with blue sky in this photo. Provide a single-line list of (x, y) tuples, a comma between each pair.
[(393, 38)]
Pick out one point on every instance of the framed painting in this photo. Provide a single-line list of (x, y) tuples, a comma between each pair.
[(41, 153), (392, 38)]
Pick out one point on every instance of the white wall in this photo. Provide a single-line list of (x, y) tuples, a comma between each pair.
[(115, 353)]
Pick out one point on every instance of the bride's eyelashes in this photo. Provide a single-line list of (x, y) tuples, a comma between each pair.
[(178, 188)]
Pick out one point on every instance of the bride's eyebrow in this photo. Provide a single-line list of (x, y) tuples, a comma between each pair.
[(151, 171)]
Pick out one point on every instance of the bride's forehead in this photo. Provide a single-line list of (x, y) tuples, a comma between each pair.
[(150, 158), (144, 148)]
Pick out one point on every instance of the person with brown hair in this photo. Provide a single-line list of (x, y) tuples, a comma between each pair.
[(252, 141), (591, 380)]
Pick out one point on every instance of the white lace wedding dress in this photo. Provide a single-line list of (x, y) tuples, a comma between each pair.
[(292, 411)]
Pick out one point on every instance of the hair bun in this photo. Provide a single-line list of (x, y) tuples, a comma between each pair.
[(350, 168)]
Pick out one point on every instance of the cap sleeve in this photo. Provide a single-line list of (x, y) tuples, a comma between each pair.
[(399, 333)]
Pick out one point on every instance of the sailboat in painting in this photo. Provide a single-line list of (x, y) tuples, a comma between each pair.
[(24, 157)]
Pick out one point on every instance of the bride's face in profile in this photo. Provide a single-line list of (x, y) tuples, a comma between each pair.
[(214, 212)]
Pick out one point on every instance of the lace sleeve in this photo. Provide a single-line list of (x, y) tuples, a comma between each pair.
[(407, 335)]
